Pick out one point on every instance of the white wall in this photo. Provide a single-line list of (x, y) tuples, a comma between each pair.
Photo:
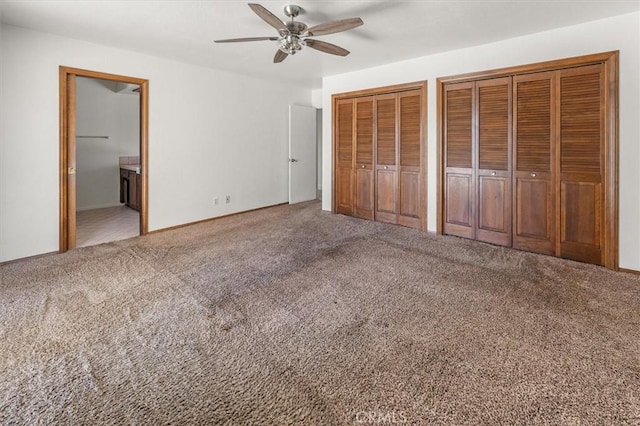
[(316, 101), (3, 173), (101, 111), (618, 33), (319, 150), (211, 133)]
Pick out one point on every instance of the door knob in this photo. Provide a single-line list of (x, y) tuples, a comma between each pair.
[(533, 175), (493, 173), (293, 160)]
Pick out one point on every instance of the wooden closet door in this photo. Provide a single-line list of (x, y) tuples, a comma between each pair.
[(534, 159), (410, 153), (344, 157), (364, 179), (386, 165), (493, 176), (581, 155), (459, 183)]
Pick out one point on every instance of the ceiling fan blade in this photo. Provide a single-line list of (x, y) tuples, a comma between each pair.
[(280, 56), (323, 46), (268, 17), (235, 40), (334, 26)]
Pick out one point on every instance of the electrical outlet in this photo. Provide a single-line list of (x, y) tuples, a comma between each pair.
[(228, 199), (215, 201)]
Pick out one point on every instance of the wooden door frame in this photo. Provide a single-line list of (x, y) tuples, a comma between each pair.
[(609, 60), (67, 115), (416, 85)]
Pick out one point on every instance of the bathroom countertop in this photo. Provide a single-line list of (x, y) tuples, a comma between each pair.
[(132, 167)]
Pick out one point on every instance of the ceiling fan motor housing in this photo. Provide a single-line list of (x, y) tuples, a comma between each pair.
[(291, 10)]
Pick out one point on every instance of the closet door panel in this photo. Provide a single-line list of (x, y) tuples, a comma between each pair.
[(386, 153), (364, 177), (534, 155), (410, 128), (386, 197), (410, 207), (494, 210), (344, 184), (581, 202), (458, 208), (410, 154), (459, 183), (493, 175), (344, 157), (534, 226), (581, 146), (364, 193)]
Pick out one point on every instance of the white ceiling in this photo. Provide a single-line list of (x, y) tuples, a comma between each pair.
[(392, 31)]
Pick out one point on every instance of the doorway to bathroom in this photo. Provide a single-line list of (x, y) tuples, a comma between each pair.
[(103, 157)]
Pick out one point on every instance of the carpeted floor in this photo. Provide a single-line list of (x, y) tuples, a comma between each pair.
[(291, 315)]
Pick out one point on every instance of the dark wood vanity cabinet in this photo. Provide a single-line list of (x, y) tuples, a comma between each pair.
[(130, 188)]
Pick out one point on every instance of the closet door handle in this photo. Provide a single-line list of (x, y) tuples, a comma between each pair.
[(493, 173), (533, 175)]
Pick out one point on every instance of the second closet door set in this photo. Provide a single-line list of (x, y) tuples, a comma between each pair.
[(380, 160), (524, 161)]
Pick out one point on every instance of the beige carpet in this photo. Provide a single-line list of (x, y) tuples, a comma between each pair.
[(291, 315)]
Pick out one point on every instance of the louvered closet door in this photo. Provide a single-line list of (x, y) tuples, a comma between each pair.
[(364, 187), (410, 184), (459, 184), (493, 177), (386, 164), (534, 158), (581, 149), (344, 161)]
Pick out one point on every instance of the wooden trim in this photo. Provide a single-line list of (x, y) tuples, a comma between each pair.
[(629, 271), (144, 157), (380, 90), (184, 225), (334, 141), (439, 157), (610, 60), (576, 61), (62, 171), (103, 76), (611, 177), (72, 180), (67, 115), (424, 155)]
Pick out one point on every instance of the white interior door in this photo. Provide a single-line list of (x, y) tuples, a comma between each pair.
[(302, 154)]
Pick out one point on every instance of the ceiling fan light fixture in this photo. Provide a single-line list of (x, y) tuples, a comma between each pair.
[(291, 44)]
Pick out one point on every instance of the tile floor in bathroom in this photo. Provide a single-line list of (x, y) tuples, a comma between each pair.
[(104, 225)]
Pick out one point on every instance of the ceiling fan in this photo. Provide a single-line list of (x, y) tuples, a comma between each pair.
[(294, 35)]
